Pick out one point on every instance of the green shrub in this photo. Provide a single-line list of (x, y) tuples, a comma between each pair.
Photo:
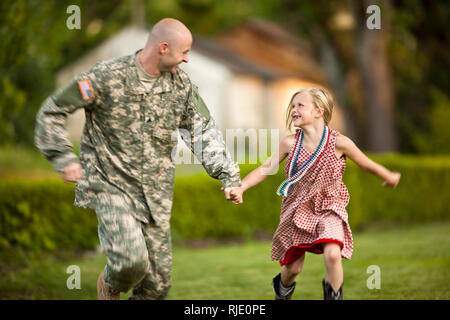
[(422, 194), (200, 209), (40, 215)]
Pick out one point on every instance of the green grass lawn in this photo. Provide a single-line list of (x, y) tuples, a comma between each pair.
[(414, 263)]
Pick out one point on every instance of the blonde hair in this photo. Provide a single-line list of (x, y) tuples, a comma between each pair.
[(322, 100)]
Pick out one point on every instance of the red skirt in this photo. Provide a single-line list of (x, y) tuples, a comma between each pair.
[(330, 229), (296, 252)]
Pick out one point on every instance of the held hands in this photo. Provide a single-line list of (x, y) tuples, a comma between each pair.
[(392, 180), (234, 194), (72, 172)]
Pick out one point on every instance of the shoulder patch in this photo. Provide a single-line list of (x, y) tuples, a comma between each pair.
[(86, 90), (78, 92)]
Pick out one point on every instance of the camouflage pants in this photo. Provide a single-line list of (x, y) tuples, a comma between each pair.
[(138, 255)]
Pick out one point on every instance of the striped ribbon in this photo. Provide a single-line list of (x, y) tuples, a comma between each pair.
[(296, 174)]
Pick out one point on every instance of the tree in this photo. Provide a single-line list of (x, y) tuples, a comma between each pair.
[(375, 73)]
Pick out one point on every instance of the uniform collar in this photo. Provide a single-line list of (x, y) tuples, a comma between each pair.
[(163, 84)]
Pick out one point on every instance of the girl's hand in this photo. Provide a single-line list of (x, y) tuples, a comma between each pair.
[(235, 194), (392, 180)]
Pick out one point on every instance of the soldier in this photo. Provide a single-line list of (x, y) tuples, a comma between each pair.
[(133, 105)]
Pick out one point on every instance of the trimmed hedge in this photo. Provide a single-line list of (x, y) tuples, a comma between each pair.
[(422, 195), (41, 215)]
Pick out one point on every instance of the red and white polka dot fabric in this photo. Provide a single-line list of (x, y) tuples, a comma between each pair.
[(314, 210)]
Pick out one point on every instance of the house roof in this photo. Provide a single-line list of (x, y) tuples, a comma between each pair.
[(233, 61), (269, 45)]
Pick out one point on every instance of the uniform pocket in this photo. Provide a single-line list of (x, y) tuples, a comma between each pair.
[(164, 142), (167, 111), (165, 135)]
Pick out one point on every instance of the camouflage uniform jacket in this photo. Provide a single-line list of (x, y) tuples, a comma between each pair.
[(130, 134)]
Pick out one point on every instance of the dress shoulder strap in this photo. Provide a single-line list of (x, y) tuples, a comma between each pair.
[(334, 132), (333, 136)]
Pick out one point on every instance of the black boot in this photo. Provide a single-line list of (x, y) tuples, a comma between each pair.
[(276, 289), (329, 293)]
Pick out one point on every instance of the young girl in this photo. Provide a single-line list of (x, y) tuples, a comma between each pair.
[(313, 216)]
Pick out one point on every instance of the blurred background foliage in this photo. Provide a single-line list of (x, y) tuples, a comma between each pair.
[(36, 208), (35, 44)]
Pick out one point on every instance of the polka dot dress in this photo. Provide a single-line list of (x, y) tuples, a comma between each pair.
[(314, 212)]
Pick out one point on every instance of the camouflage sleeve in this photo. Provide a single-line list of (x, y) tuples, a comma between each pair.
[(207, 143), (51, 136)]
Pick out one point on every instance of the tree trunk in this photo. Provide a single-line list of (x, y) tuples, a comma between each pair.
[(373, 64)]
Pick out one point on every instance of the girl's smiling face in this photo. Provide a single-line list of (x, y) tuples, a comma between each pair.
[(303, 110)]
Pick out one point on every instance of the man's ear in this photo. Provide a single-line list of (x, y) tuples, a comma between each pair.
[(163, 48)]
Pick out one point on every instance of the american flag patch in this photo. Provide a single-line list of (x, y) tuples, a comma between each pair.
[(86, 89)]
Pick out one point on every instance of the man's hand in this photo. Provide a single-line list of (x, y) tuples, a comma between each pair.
[(73, 172), (233, 194)]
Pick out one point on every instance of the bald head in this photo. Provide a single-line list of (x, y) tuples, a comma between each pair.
[(168, 45), (169, 30)]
